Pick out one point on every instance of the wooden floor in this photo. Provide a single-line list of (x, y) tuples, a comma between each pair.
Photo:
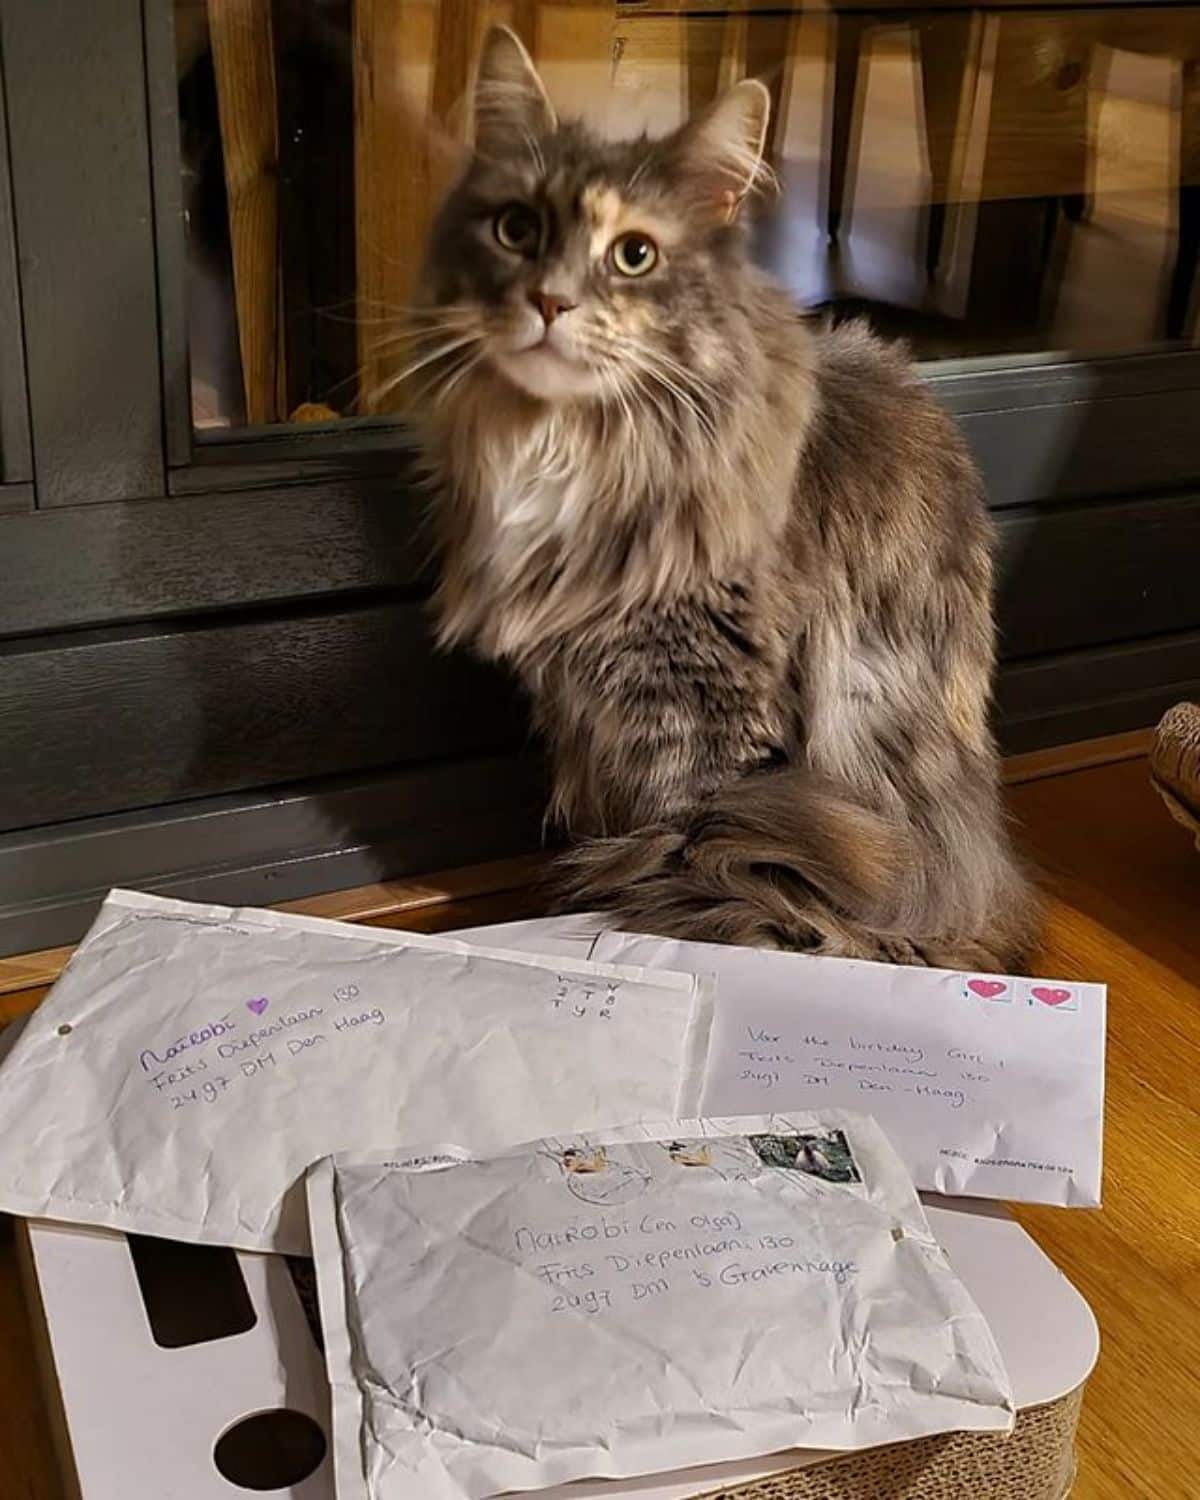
[(1125, 908)]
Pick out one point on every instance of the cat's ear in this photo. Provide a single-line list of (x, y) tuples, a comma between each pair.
[(511, 103), (721, 149)]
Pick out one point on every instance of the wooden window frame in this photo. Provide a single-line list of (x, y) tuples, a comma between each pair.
[(1018, 411), (16, 456)]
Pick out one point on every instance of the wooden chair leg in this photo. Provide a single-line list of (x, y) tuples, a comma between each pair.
[(747, 45), (849, 30), (524, 21), (704, 62), (946, 46), (1183, 279), (1078, 125), (769, 41), (456, 41), (768, 49), (1079, 207), (1180, 308)]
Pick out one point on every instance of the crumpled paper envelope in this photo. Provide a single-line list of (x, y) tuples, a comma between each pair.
[(193, 1060), (633, 1301)]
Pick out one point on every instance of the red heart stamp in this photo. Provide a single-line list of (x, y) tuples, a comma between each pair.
[(1050, 996), (987, 988)]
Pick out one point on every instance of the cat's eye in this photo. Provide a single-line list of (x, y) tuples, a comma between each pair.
[(518, 228), (634, 254)]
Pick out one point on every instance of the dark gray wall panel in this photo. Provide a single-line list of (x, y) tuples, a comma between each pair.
[(85, 237), (1087, 449), (1098, 573), (1048, 379), (1048, 429), (292, 841), (1082, 694), (135, 716), (270, 846), (143, 559), (1068, 577), (15, 499)]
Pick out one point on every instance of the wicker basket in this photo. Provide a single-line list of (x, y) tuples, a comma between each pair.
[(1036, 1462), (1175, 765)]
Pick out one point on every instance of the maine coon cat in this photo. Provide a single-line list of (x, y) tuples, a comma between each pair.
[(741, 564)]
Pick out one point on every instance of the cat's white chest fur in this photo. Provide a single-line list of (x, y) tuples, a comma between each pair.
[(536, 488)]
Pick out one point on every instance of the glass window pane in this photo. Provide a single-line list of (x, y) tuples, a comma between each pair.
[(986, 183)]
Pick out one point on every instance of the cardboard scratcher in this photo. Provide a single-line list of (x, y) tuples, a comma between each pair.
[(1175, 765), (1037, 1463), (198, 1372)]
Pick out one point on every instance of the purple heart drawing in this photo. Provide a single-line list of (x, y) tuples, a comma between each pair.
[(1049, 996), (257, 1006), (987, 988)]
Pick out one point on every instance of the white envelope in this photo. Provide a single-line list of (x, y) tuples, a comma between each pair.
[(988, 1085), (633, 1301), (193, 1060)]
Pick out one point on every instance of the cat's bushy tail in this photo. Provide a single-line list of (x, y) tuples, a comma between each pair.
[(792, 859)]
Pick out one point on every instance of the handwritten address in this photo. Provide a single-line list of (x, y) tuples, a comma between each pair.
[(226, 1050), (951, 1077), (201, 1066), (608, 1260)]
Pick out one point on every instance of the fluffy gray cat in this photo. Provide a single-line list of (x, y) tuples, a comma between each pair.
[(742, 566)]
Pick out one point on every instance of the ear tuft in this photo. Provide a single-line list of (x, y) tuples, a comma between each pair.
[(722, 147), (511, 103)]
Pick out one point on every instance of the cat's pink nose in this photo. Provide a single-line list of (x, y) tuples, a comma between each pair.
[(550, 304)]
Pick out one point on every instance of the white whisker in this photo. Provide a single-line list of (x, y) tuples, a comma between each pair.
[(470, 363), (392, 341), (449, 347), (689, 385), (685, 400)]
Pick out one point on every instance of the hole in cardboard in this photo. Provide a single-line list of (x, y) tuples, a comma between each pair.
[(269, 1450), (193, 1294)]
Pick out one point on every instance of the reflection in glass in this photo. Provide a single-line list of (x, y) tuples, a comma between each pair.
[(989, 182)]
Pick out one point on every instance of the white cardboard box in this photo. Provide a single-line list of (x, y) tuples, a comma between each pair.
[(140, 1421)]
